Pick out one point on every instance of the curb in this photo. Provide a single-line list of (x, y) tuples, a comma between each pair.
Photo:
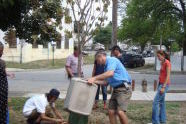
[(136, 96)]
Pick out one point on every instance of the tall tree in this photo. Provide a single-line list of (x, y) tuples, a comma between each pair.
[(10, 37), (104, 35), (176, 8), (12, 12), (88, 15), (36, 21), (148, 20), (136, 26), (40, 24)]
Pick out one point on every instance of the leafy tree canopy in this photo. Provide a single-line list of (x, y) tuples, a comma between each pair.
[(148, 20), (12, 12), (104, 35), (36, 21)]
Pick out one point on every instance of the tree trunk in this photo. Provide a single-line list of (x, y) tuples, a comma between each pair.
[(114, 21), (80, 51), (184, 47), (79, 59), (182, 3), (184, 38)]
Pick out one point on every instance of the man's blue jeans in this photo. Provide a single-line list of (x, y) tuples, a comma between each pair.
[(104, 92), (159, 107)]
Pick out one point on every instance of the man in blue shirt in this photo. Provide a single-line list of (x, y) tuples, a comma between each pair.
[(115, 75)]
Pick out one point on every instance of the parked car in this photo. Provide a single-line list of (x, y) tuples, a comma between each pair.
[(98, 46), (148, 53), (133, 60), (85, 53)]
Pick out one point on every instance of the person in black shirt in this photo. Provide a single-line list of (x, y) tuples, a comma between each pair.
[(116, 52), (99, 69)]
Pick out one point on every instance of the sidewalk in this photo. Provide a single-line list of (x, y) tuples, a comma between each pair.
[(15, 69), (149, 96), (138, 96)]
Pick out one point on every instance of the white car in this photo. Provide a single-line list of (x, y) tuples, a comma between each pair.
[(99, 46)]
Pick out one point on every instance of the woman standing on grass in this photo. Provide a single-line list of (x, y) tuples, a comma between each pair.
[(3, 88), (159, 107)]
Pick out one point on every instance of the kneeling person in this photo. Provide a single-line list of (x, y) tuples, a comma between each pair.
[(38, 108)]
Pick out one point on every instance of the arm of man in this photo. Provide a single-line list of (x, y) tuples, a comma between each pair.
[(101, 77), (69, 71), (101, 82), (8, 74), (67, 67), (57, 113), (105, 75), (11, 75), (41, 108), (93, 71), (109, 68), (45, 118)]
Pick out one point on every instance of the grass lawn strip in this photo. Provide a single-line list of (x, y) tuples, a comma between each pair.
[(139, 112)]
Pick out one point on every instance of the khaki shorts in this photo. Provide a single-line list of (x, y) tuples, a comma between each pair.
[(120, 98)]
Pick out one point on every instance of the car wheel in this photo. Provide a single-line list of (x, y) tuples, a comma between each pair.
[(140, 64), (134, 65), (143, 63)]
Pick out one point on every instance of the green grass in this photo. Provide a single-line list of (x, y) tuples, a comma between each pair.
[(45, 64), (60, 63), (139, 112)]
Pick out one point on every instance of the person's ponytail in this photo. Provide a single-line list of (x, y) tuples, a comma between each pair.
[(167, 56)]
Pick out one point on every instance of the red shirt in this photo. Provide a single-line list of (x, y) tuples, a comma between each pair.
[(163, 72)]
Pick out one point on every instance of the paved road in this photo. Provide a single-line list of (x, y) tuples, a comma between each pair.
[(41, 81)]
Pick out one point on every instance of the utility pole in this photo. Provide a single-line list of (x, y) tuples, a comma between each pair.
[(21, 50), (53, 50)]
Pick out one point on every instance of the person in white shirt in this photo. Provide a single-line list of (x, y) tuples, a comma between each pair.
[(35, 109)]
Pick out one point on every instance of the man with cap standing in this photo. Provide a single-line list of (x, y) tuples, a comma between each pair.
[(116, 76), (38, 108), (72, 64)]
